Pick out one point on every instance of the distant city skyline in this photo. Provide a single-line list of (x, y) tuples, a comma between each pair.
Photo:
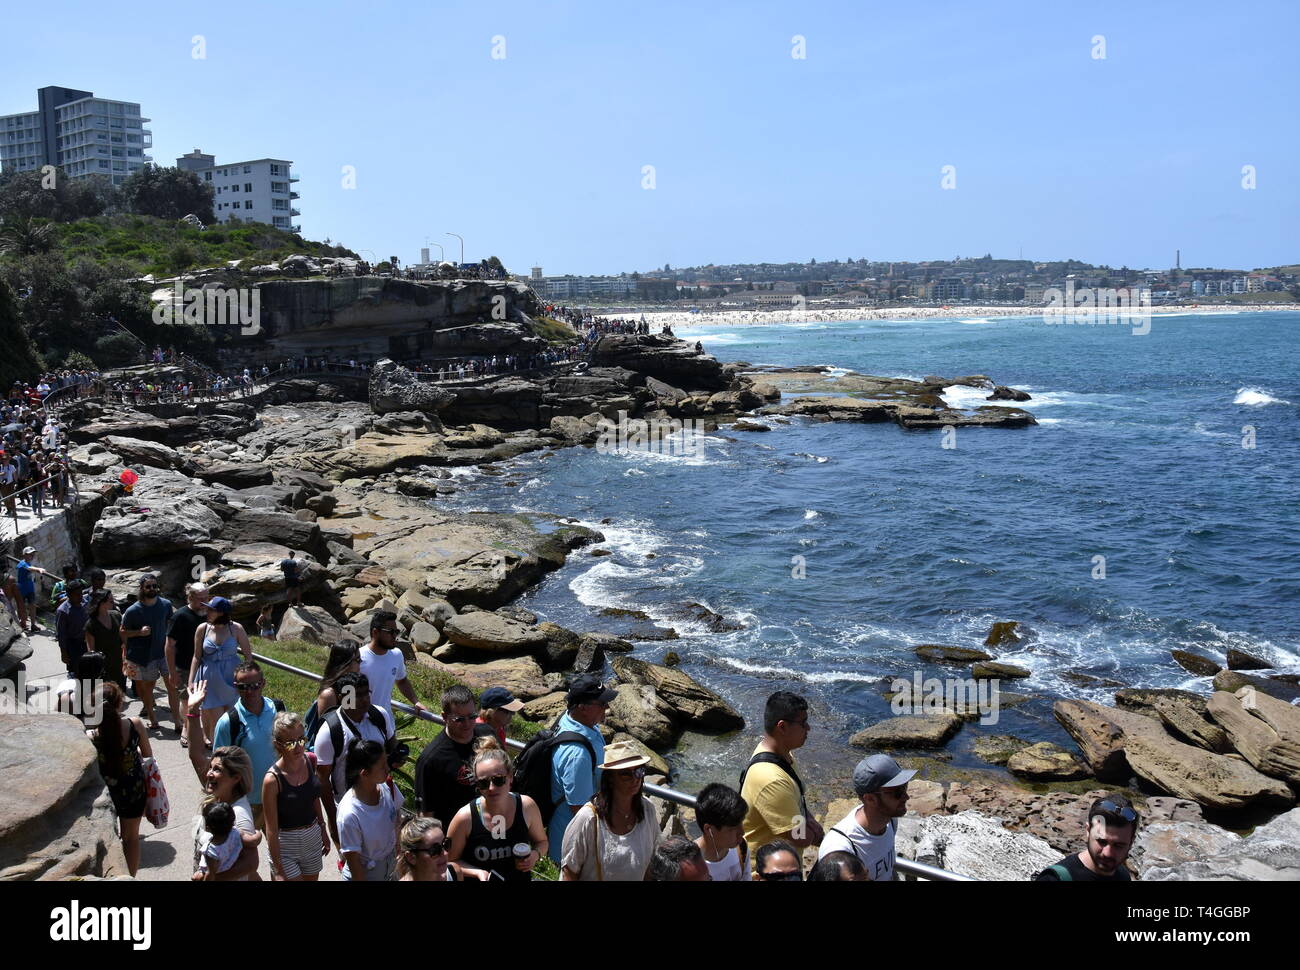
[(598, 139)]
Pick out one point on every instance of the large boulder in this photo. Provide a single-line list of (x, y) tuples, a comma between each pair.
[(675, 362), (493, 633), (638, 711), (522, 676), (1100, 732), (698, 706), (951, 655), (134, 451), (236, 474), (1194, 663), (265, 525), (56, 818), (1213, 780), (1270, 853), (1232, 681), (250, 576), (1274, 752), (929, 731), (313, 624), (1046, 762), (1165, 843), (973, 845), (546, 708), (132, 533)]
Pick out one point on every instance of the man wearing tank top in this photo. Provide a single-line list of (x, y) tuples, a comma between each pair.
[(868, 830)]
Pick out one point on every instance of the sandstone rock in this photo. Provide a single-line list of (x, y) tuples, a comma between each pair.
[(56, 819), (434, 609), (1056, 817), (744, 425), (424, 637), (1194, 663), (1189, 722), (493, 633), (475, 436), (1146, 700), (657, 764), (700, 707), (606, 642), (561, 646), (1262, 746), (546, 708), (235, 474), (1004, 633), (590, 658), (638, 711), (1232, 681), (925, 797), (1003, 393), (1270, 853), (313, 624), (973, 845), (994, 670), (1046, 762), (260, 525), (394, 388), (950, 655), (250, 577), (1241, 660), (672, 361), (359, 598), (997, 749), (1164, 844), (129, 533), (929, 731), (133, 451), (1102, 732), (522, 676), (1213, 780)]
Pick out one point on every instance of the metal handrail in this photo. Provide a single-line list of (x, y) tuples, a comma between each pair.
[(905, 866), (13, 497)]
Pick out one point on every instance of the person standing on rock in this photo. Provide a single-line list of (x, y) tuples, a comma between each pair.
[(384, 665), (770, 785), (179, 651), (144, 635), (444, 780), (868, 830), (575, 773), (291, 568), (217, 645), (1110, 829)]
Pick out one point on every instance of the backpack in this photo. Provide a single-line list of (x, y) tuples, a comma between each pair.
[(336, 728), (768, 758), (237, 736), (533, 767), (311, 724)]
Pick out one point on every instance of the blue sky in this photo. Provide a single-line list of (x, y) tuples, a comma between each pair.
[(538, 157)]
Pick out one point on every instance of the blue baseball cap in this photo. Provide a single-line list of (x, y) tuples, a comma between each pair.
[(499, 697), (220, 604)]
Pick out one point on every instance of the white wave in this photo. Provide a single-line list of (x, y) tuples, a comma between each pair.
[(634, 471), (964, 398), (976, 320), (817, 677), (833, 372), (811, 514), (721, 338), (1255, 397), (820, 459)]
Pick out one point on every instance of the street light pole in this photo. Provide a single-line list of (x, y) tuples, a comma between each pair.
[(462, 244)]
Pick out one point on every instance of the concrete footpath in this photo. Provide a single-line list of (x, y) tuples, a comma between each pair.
[(166, 853)]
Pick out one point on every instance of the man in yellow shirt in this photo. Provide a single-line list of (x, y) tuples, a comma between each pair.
[(770, 785)]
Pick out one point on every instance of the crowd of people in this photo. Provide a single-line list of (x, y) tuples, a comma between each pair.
[(35, 469), (302, 786)]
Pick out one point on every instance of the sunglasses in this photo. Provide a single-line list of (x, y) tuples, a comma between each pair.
[(438, 848), (295, 743), (461, 719), (1124, 812), (386, 629), (637, 772), (496, 781), (795, 876), (258, 686)]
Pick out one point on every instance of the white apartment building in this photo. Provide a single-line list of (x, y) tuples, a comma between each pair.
[(258, 190), (84, 135)]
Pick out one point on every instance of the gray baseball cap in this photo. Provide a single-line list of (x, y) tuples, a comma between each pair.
[(879, 771)]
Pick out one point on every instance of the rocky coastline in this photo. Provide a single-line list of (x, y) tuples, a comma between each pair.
[(352, 486)]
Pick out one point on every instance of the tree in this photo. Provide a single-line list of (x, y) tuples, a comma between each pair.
[(54, 196), (19, 361), (167, 193), (26, 237), (496, 265)]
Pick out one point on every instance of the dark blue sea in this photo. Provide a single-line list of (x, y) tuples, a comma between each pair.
[(1138, 457)]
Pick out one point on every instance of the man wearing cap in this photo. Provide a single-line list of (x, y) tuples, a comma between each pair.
[(574, 776), (868, 830), (70, 625), (497, 708), (27, 585), (1111, 827)]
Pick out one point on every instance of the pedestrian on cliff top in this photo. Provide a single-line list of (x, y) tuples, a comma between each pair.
[(771, 786), (868, 830), (1110, 829)]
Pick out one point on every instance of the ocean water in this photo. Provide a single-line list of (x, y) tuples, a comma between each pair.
[(1138, 458)]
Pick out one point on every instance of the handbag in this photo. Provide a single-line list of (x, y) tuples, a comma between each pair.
[(156, 806)]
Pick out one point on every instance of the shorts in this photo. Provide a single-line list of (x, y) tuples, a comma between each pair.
[(144, 673), (300, 851), (383, 870), (29, 598)]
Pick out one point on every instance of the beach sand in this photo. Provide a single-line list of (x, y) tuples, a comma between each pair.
[(756, 318)]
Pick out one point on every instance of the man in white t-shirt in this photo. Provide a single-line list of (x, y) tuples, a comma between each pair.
[(868, 830), (383, 664), (357, 717)]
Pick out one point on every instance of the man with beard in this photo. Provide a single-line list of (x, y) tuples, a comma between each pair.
[(868, 830), (1110, 829)]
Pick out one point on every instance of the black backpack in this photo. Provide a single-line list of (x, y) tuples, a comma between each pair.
[(768, 758), (533, 766), (237, 735), (336, 728)]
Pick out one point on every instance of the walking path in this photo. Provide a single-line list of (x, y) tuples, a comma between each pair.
[(166, 853)]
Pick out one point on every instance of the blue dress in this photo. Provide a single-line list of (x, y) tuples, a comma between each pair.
[(217, 667)]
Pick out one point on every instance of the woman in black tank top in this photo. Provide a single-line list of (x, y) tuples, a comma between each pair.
[(296, 836), (501, 832)]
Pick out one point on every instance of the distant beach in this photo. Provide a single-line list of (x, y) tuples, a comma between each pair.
[(756, 318)]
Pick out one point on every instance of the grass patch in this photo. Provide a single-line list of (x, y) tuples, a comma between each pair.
[(553, 330)]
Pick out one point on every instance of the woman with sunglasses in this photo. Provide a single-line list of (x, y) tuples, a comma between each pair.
[(296, 835), (500, 830), (613, 837), (217, 645), (422, 855)]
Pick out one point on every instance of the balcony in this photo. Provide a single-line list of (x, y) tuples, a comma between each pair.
[(293, 178), (293, 195), (294, 212)]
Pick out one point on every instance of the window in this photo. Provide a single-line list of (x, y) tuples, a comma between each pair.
[(235, 187), (247, 169), (248, 186), (207, 176)]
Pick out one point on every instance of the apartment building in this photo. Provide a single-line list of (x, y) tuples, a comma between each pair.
[(84, 135), (258, 190)]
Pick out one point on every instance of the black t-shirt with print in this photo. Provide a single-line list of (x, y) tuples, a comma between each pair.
[(444, 782), (1080, 873)]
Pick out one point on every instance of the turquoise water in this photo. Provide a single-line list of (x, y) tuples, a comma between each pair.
[(1138, 458)]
